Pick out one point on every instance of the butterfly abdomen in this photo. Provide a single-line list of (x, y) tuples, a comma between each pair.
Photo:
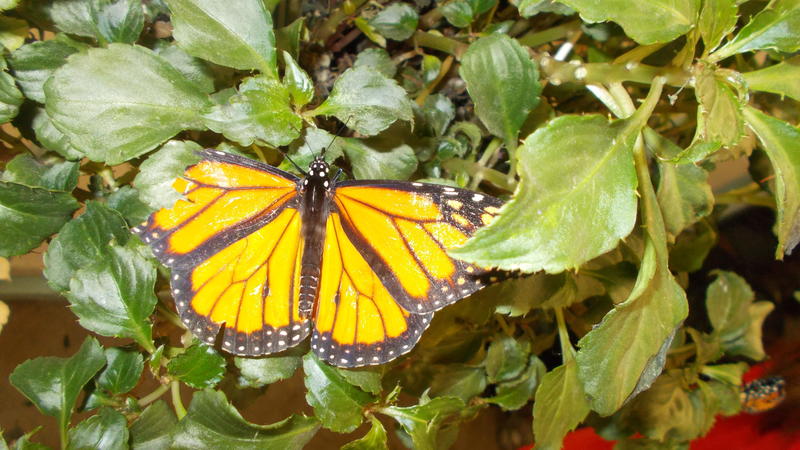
[(309, 286)]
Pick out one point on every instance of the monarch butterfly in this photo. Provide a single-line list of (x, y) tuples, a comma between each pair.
[(272, 258)]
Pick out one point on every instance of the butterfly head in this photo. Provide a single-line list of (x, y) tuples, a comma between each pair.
[(318, 173)]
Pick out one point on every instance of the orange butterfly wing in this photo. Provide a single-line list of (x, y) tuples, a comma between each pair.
[(385, 268), (234, 245), (357, 321), (404, 231)]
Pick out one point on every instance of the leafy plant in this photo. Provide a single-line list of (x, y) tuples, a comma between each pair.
[(599, 121)]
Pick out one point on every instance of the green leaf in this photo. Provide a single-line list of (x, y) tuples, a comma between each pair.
[(559, 407), (505, 359), (424, 421), (51, 138), (34, 63), (212, 422), (735, 318), (368, 163), (438, 111), (366, 101), (25, 169), (610, 366), (29, 215), (118, 299), (122, 372), (234, 34), (118, 20), (259, 372), (368, 379), (83, 243), (159, 171), (720, 108), (727, 301), (24, 442), (125, 201), (200, 366), (374, 439), (287, 38), (153, 429), (665, 410), (297, 81), (12, 32), (10, 97), (459, 13), (336, 402), (259, 113), (194, 69), (107, 429), (684, 195), (781, 79), (750, 345), (645, 22), (457, 380), (503, 82), (53, 384), (781, 142), (529, 8), (377, 59), (726, 373), (619, 355), (514, 394), (398, 21), (73, 17), (119, 102), (369, 31), (776, 27), (717, 20), (691, 247), (543, 227), (5, 5)]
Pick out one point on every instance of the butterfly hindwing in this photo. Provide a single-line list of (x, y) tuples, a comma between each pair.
[(357, 320), (403, 230)]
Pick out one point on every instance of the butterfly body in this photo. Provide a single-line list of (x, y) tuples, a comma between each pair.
[(270, 258), (316, 191)]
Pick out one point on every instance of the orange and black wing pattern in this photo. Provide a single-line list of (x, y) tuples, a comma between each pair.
[(404, 230), (385, 267), (763, 394), (233, 244)]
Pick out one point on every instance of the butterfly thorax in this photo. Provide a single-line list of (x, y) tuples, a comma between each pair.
[(314, 190)]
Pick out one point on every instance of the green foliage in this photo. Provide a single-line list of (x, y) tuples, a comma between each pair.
[(589, 131)]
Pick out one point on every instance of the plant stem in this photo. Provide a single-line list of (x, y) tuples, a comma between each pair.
[(536, 38), (439, 77), (439, 42), (490, 150), (558, 72), (330, 26), (177, 404), (153, 396), (567, 351)]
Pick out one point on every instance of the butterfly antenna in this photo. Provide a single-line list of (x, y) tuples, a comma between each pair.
[(338, 132), (300, 169)]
